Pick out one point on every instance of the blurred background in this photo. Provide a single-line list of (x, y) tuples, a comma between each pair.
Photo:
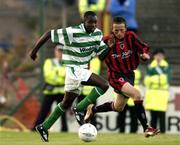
[(23, 21)]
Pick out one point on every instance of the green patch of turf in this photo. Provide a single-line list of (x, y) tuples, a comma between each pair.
[(32, 138)]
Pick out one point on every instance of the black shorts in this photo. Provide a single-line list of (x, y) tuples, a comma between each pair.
[(117, 80)]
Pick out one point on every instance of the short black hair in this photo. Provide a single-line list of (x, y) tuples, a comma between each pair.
[(89, 13), (119, 20)]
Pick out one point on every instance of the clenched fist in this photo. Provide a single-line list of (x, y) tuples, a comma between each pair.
[(144, 56), (111, 41)]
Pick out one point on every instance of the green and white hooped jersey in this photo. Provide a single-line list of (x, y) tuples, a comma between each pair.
[(79, 46)]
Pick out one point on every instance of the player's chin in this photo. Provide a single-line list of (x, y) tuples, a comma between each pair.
[(92, 30)]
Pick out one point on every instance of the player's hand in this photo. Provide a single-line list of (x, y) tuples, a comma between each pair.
[(111, 42), (33, 55), (144, 56)]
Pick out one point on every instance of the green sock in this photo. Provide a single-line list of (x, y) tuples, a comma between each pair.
[(58, 111), (91, 98)]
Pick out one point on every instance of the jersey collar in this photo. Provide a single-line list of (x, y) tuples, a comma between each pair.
[(82, 27)]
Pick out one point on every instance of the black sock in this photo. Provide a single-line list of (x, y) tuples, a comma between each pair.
[(140, 112), (104, 107)]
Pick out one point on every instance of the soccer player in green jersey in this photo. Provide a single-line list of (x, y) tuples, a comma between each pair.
[(81, 44)]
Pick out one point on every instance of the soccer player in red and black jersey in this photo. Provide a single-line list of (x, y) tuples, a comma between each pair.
[(125, 52)]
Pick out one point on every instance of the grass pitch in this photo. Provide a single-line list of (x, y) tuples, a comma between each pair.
[(32, 138)]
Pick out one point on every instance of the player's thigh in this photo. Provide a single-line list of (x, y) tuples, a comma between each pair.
[(96, 80), (120, 102), (131, 91)]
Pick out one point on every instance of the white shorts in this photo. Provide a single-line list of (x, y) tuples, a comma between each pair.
[(74, 77)]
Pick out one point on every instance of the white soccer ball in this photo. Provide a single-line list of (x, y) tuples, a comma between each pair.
[(3, 100), (87, 132)]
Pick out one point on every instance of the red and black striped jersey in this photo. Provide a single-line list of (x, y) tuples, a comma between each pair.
[(124, 56)]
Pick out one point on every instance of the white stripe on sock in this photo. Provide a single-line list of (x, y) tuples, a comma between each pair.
[(98, 92), (61, 108)]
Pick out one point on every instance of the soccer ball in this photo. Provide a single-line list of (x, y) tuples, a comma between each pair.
[(87, 132), (3, 100)]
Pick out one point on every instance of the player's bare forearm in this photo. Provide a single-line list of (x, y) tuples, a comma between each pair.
[(45, 37)]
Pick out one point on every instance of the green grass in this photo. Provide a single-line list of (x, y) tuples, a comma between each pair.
[(20, 138)]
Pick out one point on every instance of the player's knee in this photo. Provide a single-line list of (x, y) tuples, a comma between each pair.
[(137, 95), (65, 105), (105, 86), (119, 109)]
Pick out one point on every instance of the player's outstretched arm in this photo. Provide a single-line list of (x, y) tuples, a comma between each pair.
[(45, 37)]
